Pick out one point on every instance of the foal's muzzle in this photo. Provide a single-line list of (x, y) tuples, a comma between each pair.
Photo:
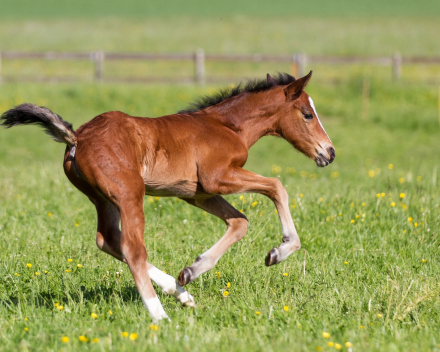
[(323, 160)]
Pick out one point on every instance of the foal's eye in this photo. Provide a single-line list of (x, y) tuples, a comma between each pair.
[(308, 116)]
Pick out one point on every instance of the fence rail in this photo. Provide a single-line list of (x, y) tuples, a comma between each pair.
[(298, 61)]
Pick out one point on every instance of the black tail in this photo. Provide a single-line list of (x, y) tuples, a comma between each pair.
[(31, 114)]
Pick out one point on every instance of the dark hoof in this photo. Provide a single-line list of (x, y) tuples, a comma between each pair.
[(184, 277), (272, 257)]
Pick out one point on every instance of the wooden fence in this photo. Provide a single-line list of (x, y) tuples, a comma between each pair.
[(298, 61)]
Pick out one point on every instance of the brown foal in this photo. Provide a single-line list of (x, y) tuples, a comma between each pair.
[(196, 155)]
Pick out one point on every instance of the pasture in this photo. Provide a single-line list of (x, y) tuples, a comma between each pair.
[(366, 277)]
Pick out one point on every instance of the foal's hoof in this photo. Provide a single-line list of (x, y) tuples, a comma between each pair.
[(185, 277), (272, 257)]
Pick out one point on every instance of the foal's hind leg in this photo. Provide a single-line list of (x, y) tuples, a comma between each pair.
[(236, 229), (108, 239)]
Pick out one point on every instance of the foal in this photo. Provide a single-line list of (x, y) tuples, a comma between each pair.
[(196, 155)]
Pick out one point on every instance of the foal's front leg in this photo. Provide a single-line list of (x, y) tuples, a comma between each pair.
[(238, 180), (236, 224)]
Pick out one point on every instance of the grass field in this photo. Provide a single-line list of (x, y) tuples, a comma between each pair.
[(369, 223)]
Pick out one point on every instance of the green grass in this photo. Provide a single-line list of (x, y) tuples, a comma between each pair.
[(385, 273)]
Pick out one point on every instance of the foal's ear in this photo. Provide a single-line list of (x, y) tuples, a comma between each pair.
[(294, 89), (270, 80)]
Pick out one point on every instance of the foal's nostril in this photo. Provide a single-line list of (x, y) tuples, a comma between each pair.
[(332, 153)]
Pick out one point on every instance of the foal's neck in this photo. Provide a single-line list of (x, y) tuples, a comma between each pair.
[(250, 115)]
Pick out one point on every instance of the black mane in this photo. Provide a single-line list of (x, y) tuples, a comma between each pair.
[(252, 86)]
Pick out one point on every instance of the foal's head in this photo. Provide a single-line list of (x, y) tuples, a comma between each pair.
[(299, 123)]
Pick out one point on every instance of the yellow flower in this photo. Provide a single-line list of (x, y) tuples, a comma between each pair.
[(50, 214), (346, 263), (416, 224), (225, 294), (76, 224), (70, 260), (424, 260), (285, 274), (56, 304), (133, 336), (301, 195), (26, 329), (286, 308), (26, 319), (82, 338), (37, 273), (330, 344), (45, 271), (29, 265), (154, 327), (393, 204), (110, 312), (401, 180), (60, 307), (383, 194), (319, 349), (363, 204), (338, 346), (65, 339), (95, 340), (390, 166), (340, 214), (325, 334), (241, 197), (79, 265), (17, 274), (371, 173), (352, 221), (357, 216), (410, 219), (254, 204), (348, 344), (378, 195), (68, 271), (419, 178), (94, 315), (361, 326), (402, 195), (228, 285), (124, 334), (151, 199), (371, 323), (404, 206), (379, 315), (257, 313)]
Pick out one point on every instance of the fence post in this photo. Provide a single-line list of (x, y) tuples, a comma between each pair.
[(301, 62), (199, 60), (397, 65), (99, 65)]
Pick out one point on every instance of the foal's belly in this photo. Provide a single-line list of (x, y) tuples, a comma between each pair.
[(184, 188)]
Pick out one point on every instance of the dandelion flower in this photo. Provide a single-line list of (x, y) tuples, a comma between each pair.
[(82, 338), (95, 340), (393, 204), (17, 274), (416, 224), (241, 197), (76, 224), (348, 344), (26, 319), (285, 274), (79, 265), (37, 273), (45, 271), (301, 195), (65, 339), (124, 334), (56, 304), (346, 263), (286, 308), (383, 194), (110, 312), (390, 166), (257, 313), (379, 315), (60, 307), (424, 260), (49, 214), (325, 334), (378, 195), (357, 217), (364, 204), (68, 271), (371, 173), (338, 346), (26, 329), (419, 178), (330, 344), (319, 349), (225, 294), (70, 260), (154, 327), (133, 336), (94, 315), (29, 265), (254, 204), (361, 326), (402, 195), (352, 221), (401, 180)]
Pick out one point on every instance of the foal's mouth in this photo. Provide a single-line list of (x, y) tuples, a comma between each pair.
[(322, 161)]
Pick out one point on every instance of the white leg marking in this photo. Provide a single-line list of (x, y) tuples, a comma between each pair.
[(169, 286), (155, 308)]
